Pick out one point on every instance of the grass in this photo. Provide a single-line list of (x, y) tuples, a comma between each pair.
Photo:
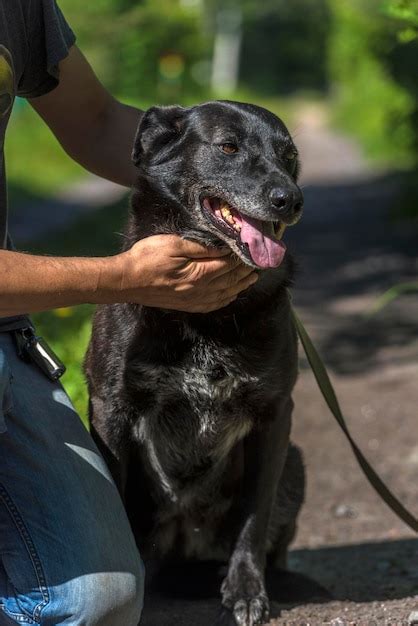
[(35, 160), (68, 329)]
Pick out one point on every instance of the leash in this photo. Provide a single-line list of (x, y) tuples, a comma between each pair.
[(330, 398)]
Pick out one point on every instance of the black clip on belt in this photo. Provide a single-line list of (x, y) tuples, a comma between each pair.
[(33, 349)]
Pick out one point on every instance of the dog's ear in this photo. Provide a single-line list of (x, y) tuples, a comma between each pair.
[(158, 126)]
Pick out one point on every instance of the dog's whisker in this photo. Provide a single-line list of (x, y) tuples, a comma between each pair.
[(123, 235)]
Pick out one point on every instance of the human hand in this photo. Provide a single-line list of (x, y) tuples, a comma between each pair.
[(169, 272)]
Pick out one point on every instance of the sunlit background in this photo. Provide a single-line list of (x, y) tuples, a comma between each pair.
[(343, 68)]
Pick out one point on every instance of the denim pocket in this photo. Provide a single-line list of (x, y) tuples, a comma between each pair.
[(6, 402)]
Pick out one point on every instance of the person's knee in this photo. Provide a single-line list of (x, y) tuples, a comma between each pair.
[(112, 599), (101, 599)]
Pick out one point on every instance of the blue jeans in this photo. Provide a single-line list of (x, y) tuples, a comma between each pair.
[(67, 553)]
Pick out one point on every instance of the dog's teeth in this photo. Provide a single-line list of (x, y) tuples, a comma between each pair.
[(278, 233), (228, 217), (225, 213)]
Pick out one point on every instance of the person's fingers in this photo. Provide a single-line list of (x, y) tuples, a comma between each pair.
[(195, 250), (237, 287), (208, 269), (221, 304), (226, 296), (224, 278), (212, 306), (227, 286)]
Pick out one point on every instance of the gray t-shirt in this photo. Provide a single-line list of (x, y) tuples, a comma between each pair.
[(34, 38)]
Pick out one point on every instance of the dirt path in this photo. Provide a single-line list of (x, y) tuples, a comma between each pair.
[(349, 251)]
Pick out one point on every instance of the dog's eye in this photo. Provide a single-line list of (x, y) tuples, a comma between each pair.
[(229, 148)]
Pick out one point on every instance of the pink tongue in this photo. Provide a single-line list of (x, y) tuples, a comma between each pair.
[(264, 249)]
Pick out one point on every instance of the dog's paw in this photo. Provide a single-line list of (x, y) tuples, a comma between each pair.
[(246, 609), (252, 612)]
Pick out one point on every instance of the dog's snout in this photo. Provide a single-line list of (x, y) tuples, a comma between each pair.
[(286, 201)]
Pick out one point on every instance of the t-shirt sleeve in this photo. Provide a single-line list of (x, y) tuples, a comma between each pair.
[(49, 40)]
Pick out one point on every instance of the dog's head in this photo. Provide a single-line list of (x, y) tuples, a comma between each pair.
[(229, 168)]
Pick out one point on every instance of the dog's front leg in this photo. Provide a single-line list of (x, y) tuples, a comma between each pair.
[(243, 590), (110, 431)]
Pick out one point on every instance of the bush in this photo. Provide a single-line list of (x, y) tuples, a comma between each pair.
[(375, 93), (149, 48), (284, 46)]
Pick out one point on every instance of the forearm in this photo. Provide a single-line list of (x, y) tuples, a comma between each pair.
[(107, 147), (36, 283), (96, 130), (162, 271)]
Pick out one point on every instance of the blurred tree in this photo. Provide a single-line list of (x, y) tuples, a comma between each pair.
[(226, 51), (128, 40), (375, 78), (161, 50), (407, 12), (283, 43)]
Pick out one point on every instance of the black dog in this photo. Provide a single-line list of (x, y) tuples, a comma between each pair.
[(192, 412)]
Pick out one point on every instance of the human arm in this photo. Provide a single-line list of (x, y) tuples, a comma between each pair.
[(98, 132), (161, 271), (95, 129)]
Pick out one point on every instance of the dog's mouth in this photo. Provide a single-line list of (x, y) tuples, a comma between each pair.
[(259, 241)]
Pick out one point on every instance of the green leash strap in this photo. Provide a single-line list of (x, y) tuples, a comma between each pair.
[(328, 392)]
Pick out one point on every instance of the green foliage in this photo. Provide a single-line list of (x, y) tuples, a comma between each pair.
[(284, 46), (407, 12), (372, 101), (68, 331), (283, 43), (151, 48), (35, 160)]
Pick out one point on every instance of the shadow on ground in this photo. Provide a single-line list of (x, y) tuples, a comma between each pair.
[(363, 572), (360, 572), (189, 595), (351, 247)]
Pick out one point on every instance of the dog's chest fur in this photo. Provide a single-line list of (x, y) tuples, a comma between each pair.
[(194, 409), (205, 385)]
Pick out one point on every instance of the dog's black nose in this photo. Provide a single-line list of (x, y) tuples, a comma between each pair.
[(287, 201)]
